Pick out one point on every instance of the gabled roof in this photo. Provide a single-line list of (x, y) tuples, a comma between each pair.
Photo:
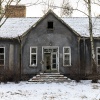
[(15, 27), (60, 19)]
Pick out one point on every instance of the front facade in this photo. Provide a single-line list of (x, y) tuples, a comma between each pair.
[(49, 46)]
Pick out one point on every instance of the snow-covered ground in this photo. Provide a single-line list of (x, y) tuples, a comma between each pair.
[(84, 90)]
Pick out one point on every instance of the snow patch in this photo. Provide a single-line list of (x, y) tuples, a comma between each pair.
[(84, 90)]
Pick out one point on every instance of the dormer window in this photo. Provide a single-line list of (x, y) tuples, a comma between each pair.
[(50, 25)]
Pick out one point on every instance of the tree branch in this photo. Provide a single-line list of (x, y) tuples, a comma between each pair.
[(77, 3), (2, 14), (82, 12), (96, 3), (3, 22)]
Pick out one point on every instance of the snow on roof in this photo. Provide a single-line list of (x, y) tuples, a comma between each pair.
[(15, 27), (81, 25)]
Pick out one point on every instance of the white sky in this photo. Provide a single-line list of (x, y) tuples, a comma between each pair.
[(36, 10)]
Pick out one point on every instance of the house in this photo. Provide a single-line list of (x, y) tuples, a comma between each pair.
[(48, 44)]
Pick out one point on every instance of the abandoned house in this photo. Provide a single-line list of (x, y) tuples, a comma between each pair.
[(48, 44)]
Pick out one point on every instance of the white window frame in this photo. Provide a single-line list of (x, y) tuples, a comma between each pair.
[(4, 55), (33, 54), (67, 54), (97, 55)]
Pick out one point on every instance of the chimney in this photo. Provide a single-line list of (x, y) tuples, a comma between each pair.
[(15, 11)]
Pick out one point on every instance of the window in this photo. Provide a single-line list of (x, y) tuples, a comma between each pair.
[(2, 56), (50, 25), (54, 60), (66, 56), (98, 56), (33, 56)]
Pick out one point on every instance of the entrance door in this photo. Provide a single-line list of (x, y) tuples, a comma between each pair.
[(47, 61), (54, 61), (50, 58)]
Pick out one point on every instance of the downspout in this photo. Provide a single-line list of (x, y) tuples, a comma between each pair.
[(79, 53), (84, 55), (20, 55)]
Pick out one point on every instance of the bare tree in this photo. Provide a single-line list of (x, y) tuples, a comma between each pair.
[(66, 9), (3, 9), (48, 4), (97, 2), (7, 3), (88, 4), (93, 60)]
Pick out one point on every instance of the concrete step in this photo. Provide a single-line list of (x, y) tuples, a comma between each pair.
[(35, 80), (48, 80), (49, 77), (49, 73), (53, 80)]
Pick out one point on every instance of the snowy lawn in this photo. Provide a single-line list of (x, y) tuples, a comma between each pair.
[(84, 90)]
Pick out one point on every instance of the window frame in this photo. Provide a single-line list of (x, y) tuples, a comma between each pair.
[(67, 54), (33, 54), (4, 56), (97, 55)]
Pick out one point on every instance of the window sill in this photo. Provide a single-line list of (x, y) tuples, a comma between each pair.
[(1, 65), (33, 66), (50, 29), (67, 65)]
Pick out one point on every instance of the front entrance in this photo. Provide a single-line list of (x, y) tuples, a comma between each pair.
[(50, 59)]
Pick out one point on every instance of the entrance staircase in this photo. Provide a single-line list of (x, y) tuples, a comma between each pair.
[(49, 77)]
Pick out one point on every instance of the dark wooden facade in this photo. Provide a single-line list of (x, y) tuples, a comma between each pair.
[(54, 38)]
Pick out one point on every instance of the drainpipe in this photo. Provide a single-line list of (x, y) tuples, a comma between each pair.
[(84, 55), (20, 56), (79, 53)]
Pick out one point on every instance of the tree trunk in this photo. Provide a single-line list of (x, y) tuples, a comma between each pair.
[(0, 10), (93, 62)]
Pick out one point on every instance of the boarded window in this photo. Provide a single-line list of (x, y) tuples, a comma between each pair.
[(66, 56), (33, 56), (2, 56)]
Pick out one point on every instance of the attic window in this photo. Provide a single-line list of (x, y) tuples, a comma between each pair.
[(50, 25)]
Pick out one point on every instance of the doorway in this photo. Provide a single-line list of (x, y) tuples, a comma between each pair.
[(51, 59), (47, 61)]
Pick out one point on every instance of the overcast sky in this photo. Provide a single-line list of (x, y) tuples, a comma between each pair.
[(36, 10)]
